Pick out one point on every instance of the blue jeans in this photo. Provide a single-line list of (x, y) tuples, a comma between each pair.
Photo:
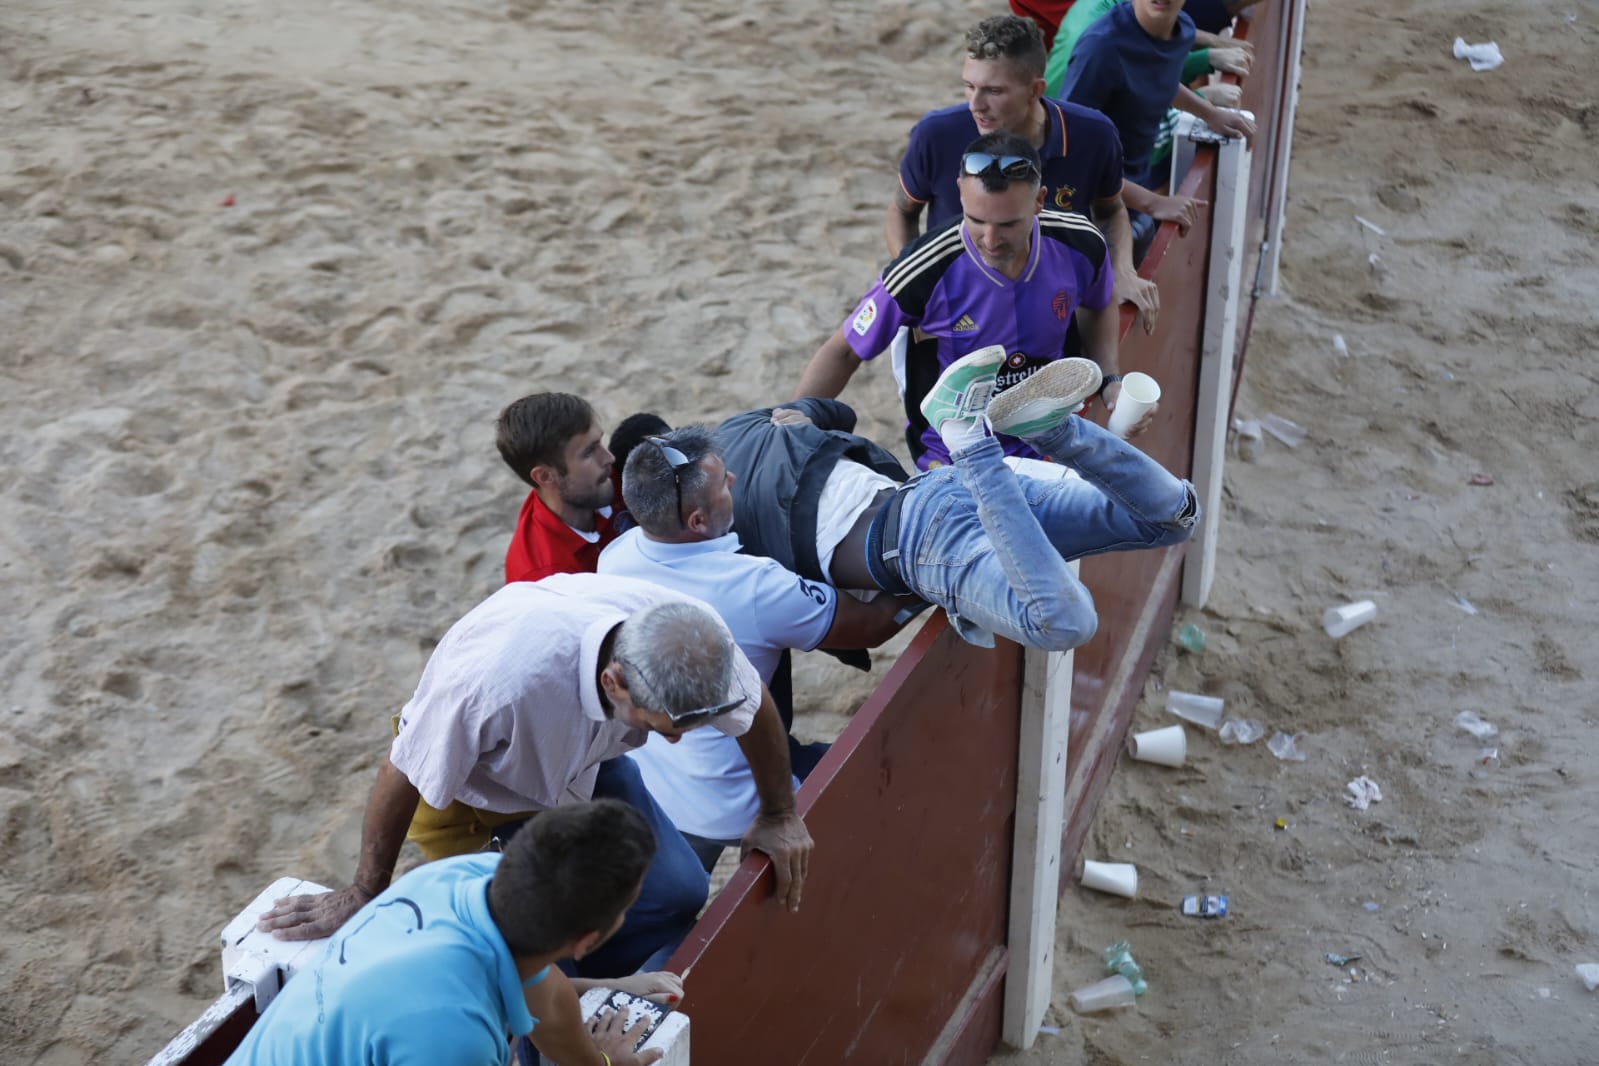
[(992, 548), (675, 886)]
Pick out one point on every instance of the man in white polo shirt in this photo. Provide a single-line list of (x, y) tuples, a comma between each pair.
[(678, 489), (526, 704)]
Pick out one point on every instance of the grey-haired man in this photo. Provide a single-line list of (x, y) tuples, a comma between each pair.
[(526, 705)]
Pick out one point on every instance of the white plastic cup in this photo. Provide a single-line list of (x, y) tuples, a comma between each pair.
[(1167, 746), (1116, 878), (1192, 707), (1113, 991), (1347, 617), (1139, 393)]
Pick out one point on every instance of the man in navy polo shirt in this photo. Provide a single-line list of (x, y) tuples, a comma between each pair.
[(1081, 156), (1006, 273), (1128, 65)]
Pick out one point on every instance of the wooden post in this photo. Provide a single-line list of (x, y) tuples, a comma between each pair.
[(1292, 44), (1035, 856), (1218, 350)]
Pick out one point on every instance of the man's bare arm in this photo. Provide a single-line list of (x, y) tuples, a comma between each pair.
[(389, 811), (862, 624), (829, 370), (1111, 218), (902, 221), (1183, 210), (777, 830)]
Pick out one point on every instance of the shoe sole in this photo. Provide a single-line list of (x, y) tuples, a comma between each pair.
[(1045, 399), (985, 362)]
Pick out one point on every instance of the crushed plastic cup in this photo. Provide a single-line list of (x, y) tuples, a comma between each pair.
[(1286, 746), (1589, 973), (1347, 617), (1192, 707), (1113, 991), (1289, 432), (1477, 727), (1241, 731)]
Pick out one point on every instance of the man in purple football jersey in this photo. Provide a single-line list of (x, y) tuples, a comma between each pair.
[(1005, 273)]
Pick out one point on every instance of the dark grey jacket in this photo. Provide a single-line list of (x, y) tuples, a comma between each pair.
[(781, 471)]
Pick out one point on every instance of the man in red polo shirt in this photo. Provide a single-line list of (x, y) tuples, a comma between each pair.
[(552, 441)]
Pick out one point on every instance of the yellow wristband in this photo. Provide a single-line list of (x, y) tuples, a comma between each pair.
[(606, 1057)]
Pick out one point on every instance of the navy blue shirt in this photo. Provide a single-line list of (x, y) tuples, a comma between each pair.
[(1120, 70), (1082, 159)]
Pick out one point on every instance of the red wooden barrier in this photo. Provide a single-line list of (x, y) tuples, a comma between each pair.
[(906, 902)]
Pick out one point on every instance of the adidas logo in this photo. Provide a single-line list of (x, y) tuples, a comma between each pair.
[(965, 324)]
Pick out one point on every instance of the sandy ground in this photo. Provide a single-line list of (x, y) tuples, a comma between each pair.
[(267, 273)]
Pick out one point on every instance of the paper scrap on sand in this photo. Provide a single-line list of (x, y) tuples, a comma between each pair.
[(1481, 56), (1363, 792)]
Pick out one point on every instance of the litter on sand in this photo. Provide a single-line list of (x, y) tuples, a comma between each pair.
[(1481, 56), (1286, 746), (1363, 792)]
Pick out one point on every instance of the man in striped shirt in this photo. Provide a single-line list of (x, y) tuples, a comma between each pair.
[(1005, 273)]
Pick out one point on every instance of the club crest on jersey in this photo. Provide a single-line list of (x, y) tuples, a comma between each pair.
[(964, 324), (1065, 195), (1061, 305), (865, 316)]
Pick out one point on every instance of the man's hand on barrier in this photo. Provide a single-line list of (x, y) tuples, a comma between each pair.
[(1232, 123), (1183, 210), (615, 1040), (1143, 294), (786, 841), (660, 986), (1231, 60), (312, 917)]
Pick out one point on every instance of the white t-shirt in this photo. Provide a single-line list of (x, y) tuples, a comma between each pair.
[(850, 488), (703, 782), (507, 716)]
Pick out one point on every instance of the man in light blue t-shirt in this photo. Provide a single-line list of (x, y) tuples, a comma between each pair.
[(679, 491), (439, 968)]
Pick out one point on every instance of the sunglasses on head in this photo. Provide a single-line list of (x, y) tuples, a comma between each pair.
[(702, 714), (685, 719), (677, 460), (1010, 167)]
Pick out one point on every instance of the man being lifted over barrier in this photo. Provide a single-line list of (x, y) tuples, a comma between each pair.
[(989, 546)]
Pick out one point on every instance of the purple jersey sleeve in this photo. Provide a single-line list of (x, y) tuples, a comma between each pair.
[(871, 327)]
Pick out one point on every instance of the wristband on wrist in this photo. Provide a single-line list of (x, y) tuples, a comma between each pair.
[(1107, 381)]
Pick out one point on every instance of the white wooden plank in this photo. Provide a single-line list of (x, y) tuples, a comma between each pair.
[(1035, 856), (1217, 355)]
